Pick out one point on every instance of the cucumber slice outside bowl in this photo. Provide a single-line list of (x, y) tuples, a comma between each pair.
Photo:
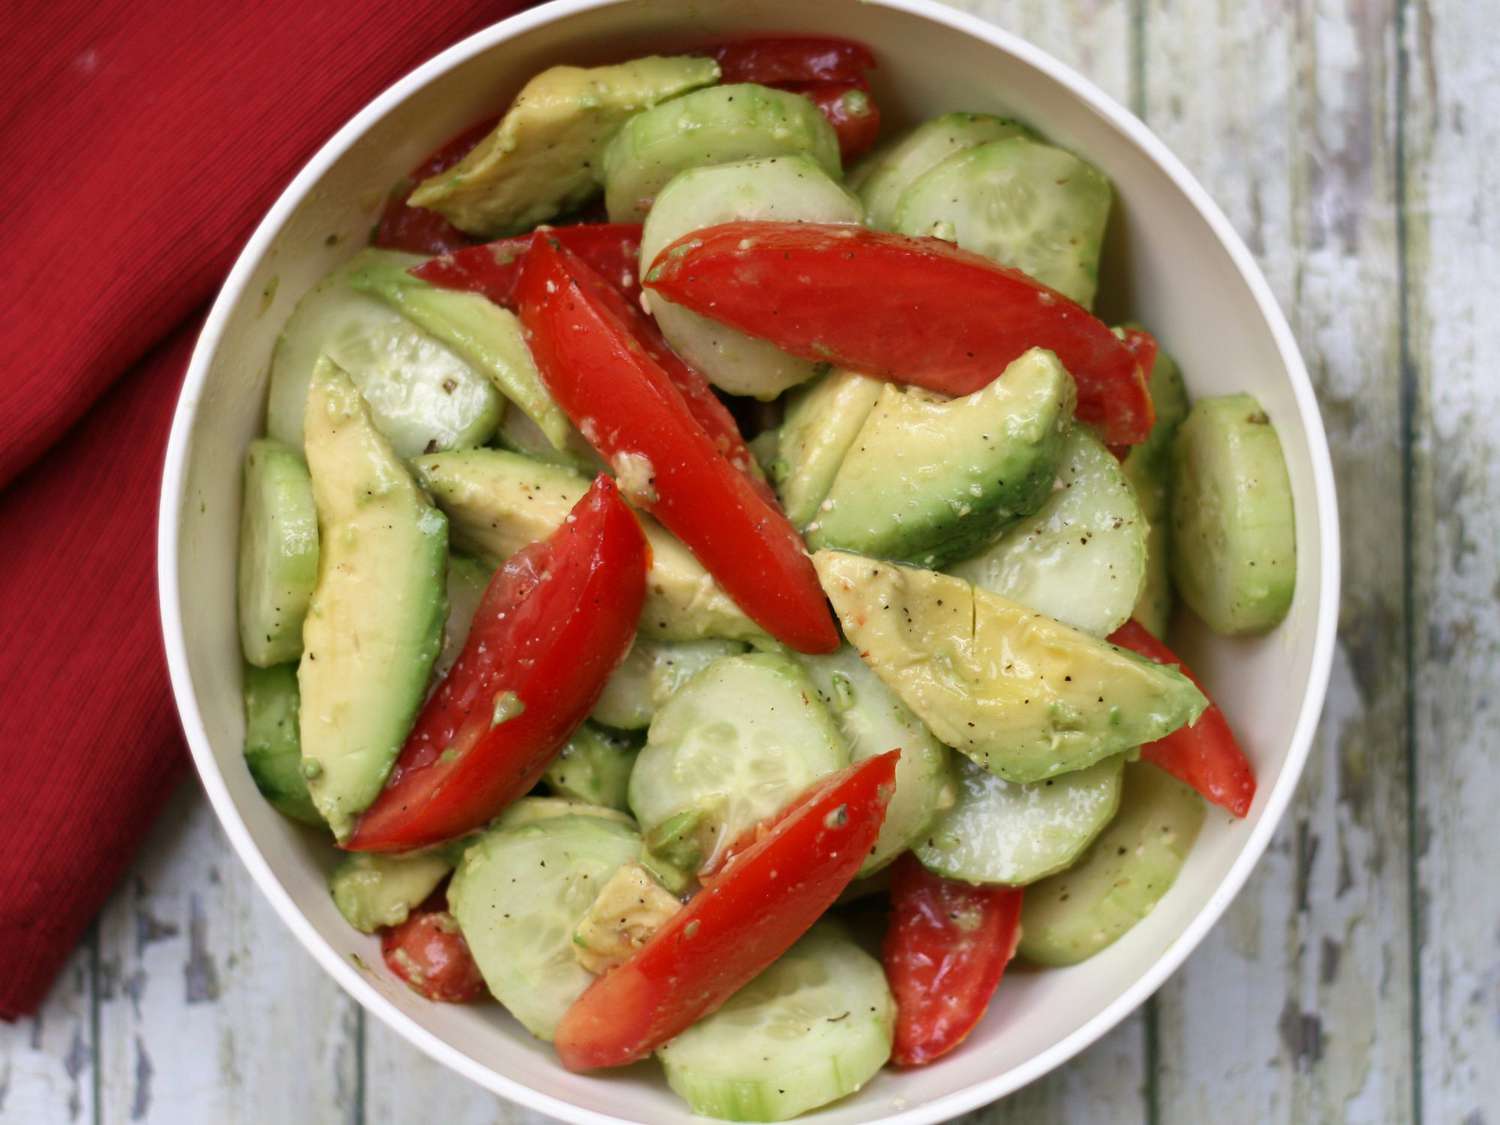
[(223, 395)]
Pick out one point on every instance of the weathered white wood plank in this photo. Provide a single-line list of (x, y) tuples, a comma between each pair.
[(1452, 132), (208, 1008), (1298, 1006), (47, 1064)]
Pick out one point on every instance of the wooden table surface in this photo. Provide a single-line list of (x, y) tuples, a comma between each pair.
[(1356, 146)]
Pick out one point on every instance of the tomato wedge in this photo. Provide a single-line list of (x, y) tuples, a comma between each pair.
[(849, 108), (771, 62), (416, 229), (911, 310), (593, 359), (555, 621), (429, 953), (745, 917), (493, 268), (1204, 755), (945, 950)]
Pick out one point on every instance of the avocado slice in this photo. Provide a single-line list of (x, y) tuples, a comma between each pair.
[(375, 623), (372, 891), (544, 157), (822, 422), (1023, 695), (931, 479), (500, 501)]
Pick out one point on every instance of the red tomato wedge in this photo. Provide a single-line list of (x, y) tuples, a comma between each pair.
[(1204, 755), (595, 362), (945, 950), (429, 953), (849, 108), (775, 61), (493, 268), (416, 229), (745, 917), (911, 310), (555, 621)]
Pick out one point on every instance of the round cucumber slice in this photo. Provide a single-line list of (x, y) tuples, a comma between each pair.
[(1023, 203), (1148, 467), (1134, 862), (733, 746), (1234, 543), (529, 810), (593, 766), (813, 1028), (372, 891), (422, 396), (1002, 832), (651, 672), (777, 188), (874, 721), (278, 553), (1081, 557), (518, 897), (716, 125), (885, 179)]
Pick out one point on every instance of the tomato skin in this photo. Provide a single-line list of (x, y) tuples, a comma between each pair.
[(416, 229), (748, 914), (849, 108), (1204, 755), (911, 310), (604, 375), (772, 62), (428, 952), (493, 268), (555, 621), (944, 953)]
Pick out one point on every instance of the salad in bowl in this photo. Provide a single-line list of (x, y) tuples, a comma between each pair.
[(708, 571)]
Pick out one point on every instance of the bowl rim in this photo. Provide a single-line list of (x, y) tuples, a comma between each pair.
[(173, 492)]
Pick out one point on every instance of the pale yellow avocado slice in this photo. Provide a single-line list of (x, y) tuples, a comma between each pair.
[(375, 623), (1023, 695), (543, 158), (500, 501)]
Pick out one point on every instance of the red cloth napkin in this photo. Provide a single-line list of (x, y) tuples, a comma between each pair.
[(143, 140)]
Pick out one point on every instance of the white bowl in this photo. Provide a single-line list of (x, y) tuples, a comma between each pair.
[(1173, 262)]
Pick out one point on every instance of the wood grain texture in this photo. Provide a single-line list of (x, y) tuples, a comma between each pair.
[(1451, 113), (47, 1063), (1298, 1006), (209, 1010)]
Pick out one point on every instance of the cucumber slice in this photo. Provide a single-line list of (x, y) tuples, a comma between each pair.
[(520, 434), (813, 1028), (529, 810), (278, 553), (422, 396), (885, 179), (650, 674), (1081, 557), (519, 895), (822, 421), (1148, 467), (467, 581), (777, 188), (1023, 203), (372, 891), (874, 721), (499, 502), (1001, 832), (484, 335), (1234, 545), (716, 125), (273, 746), (736, 743), (1133, 863), (594, 766)]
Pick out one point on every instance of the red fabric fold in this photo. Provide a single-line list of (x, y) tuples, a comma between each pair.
[(145, 138)]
